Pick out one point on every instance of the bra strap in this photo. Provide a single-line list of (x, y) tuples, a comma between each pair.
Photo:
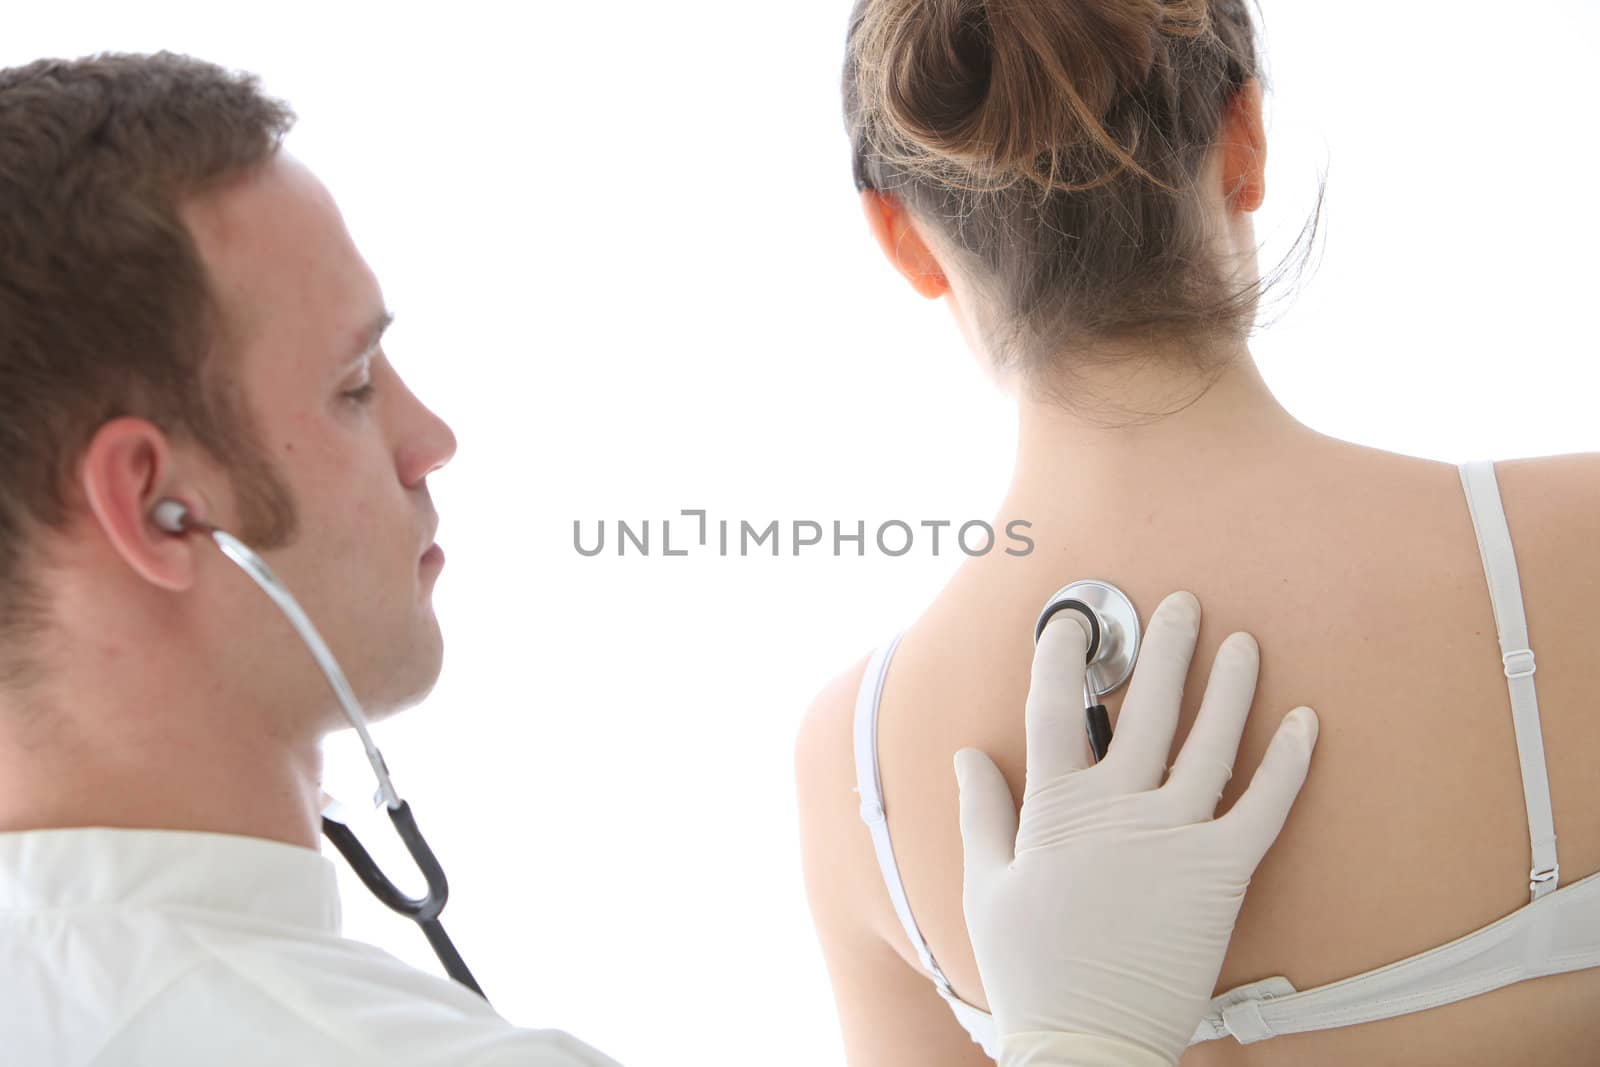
[(869, 786), (1505, 594)]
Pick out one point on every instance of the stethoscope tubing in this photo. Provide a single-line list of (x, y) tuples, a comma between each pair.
[(425, 910)]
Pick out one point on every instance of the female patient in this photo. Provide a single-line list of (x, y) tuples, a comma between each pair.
[(1075, 180)]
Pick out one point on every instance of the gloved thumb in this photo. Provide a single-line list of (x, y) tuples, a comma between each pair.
[(988, 813)]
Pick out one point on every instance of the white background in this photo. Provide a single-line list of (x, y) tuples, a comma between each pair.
[(629, 268)]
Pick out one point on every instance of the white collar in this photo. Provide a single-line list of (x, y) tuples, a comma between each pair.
[(168, 870)]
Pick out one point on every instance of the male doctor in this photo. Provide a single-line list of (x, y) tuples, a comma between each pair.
[(183, 315)]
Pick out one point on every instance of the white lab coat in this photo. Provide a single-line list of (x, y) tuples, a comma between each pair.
[(125, 948)]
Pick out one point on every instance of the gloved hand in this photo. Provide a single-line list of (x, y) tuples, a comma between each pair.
[(1099, 924)]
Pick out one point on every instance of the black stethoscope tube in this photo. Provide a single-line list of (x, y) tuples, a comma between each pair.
[(425, 910)]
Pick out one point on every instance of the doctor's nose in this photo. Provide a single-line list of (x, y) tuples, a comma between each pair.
[(431, 445)]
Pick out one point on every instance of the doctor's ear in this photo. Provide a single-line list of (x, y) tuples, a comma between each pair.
[(125, 473), (903, 245)]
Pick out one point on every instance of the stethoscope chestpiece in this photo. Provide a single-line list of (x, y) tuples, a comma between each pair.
[(1114, 630), (1065, 603)]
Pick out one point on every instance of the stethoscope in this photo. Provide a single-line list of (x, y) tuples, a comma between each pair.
[(174, 517), (1113, 628)]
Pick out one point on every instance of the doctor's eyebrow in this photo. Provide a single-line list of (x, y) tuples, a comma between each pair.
[(371, 337)]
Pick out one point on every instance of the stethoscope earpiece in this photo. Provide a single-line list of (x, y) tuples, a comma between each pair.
[(170, 516)]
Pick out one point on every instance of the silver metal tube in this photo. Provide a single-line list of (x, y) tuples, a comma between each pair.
[(262, 575)]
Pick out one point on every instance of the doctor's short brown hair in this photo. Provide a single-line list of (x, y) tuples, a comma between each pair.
[(106, 308)]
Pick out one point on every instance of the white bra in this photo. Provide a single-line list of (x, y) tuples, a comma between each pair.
[(1558, 930)]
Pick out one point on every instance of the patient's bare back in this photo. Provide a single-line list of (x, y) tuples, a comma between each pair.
[(1361, 578)]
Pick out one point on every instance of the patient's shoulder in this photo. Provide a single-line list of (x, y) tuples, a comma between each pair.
[(836, 851), (1575, 464), (1552, 506), (824, 753), (1575, 470)]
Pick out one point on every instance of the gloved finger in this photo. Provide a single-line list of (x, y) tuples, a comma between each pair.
[(1138, 755), (1253, 822), (1057, 742), (988, 813), (1205, 762)]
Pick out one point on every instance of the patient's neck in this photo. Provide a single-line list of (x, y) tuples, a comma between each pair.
[(1112, 459)]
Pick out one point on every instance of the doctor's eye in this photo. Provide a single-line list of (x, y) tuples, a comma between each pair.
[(361, 395)]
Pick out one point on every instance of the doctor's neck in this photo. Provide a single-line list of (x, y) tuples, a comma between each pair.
[(143, 732)]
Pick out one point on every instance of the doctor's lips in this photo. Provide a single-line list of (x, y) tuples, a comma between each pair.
[(433, 553)]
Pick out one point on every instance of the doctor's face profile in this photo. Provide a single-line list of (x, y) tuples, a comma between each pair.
[(332, 494), (350, 521), (189, 320)]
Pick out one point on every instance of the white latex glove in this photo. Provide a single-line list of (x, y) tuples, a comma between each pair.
[(1099, 924)]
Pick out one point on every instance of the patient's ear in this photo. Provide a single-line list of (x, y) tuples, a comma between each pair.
[(126, 470), (903, 245), (1244, 141)]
